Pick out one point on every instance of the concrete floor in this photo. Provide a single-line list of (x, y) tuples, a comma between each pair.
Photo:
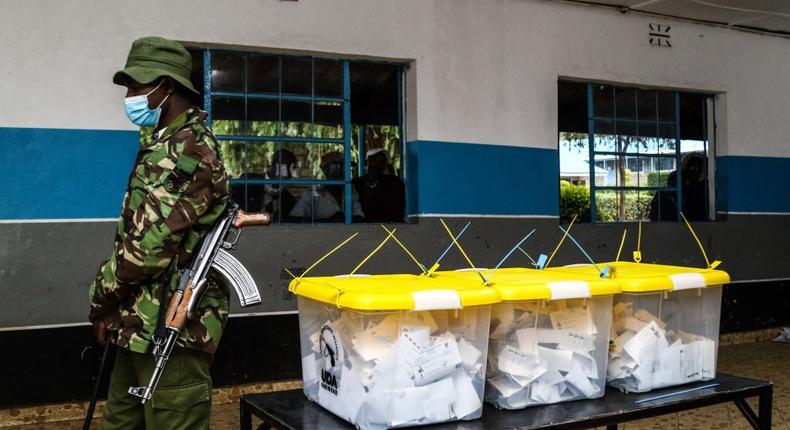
[(761, 360)]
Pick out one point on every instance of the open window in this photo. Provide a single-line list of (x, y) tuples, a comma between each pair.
[(304, 137), (632, 154)]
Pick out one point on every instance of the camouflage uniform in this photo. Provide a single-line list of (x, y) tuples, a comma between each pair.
[(177, 189), (176, 192)]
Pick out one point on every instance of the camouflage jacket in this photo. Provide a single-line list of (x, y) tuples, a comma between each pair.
[(177, 189)]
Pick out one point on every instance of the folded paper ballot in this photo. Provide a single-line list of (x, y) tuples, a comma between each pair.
[(470, 356), (647, 353), (576, 319), (436, 362), (518, 363), (545, 357), (393, 372)]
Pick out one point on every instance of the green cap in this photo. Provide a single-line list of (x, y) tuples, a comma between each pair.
[(153, 57)]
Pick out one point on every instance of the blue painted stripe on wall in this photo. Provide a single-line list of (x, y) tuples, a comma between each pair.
[(62, 173), (465, 178), (752, 184)]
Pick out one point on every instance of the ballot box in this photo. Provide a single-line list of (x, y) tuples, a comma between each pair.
[(549, 336), (665, 327), (394, 350)]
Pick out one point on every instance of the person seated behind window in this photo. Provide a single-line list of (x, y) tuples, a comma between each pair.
[(269, 197), (664, 206), (381, 194), (694, 172), (327, 201)]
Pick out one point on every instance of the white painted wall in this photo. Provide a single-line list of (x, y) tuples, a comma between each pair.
[(484, 71)]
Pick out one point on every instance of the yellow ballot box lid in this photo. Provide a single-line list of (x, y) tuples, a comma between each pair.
[(647, 277), (394, 292), (518, 284)]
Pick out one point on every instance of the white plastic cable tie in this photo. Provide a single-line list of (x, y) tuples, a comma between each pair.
[(569, 290), (685, 281), (436, 299)]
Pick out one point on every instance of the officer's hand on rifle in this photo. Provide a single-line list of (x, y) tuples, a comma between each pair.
[(246, 219)]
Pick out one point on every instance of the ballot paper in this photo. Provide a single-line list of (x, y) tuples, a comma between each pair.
[(641, 347), (348, 322), (401, 357), (423, 318), (309, 370), (546, 355), (470, 356), (403, 369), (436, 362), (518, 363), (418, 334), (506, 386), (578, 378), (346, 399), (648, 353), (315, 341), (551, 377), (667, 369), (578, 319), (438, 408), (467, 400), (520, 400), (623, 309), (387, 328), (408, 405), (708, 358), (370, 346), (615, 370), (558, 359), (633, 324), (586, 363), (576, 342), (501, 320), (468, 323), (691, 361), (375, 411), (621, 340), (545, 393), (528, 339), (646, 316), (523, 315), (351, 393)]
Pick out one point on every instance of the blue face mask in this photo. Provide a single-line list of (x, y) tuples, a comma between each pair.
[(138, 111)]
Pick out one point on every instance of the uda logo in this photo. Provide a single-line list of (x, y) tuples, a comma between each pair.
[(332, 352)]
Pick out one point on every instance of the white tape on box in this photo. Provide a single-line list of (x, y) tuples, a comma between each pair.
[(684, 281), (436, 299), (569, 290)]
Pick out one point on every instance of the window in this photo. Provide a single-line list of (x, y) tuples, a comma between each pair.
[(632, 154), (292, 132)]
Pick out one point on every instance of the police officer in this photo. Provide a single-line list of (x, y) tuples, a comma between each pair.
[(177, 189)]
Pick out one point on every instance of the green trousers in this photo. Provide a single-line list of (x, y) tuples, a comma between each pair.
[(181, 401)]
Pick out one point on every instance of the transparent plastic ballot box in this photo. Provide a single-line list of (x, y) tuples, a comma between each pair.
[(549, 336), (387, 351), (665, 328)]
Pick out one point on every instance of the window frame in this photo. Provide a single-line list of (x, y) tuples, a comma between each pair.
[(344, 99), (707, 150)]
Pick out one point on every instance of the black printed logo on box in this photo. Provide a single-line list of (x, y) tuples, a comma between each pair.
[(332, 351)]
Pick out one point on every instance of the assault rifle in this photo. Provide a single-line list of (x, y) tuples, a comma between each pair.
[(213, 258)]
